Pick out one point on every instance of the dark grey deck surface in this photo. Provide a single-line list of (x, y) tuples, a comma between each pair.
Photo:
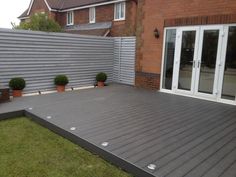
[(184, 137)]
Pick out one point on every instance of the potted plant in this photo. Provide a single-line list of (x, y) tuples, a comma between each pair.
[(101, 79), (61, 81), (17, 85)]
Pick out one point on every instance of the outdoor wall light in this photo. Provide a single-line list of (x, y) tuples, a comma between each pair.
[(156, 33)]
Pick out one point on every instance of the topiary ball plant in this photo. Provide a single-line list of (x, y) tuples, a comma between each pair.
[(101, 77), (17, 83), (61, 80)]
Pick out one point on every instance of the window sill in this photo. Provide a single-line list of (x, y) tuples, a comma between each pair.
[(117, 20), (69, 24)]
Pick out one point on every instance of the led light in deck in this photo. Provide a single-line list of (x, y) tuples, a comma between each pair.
[(152, 166), (105, 144), (73, 128), (49, 117), (30, 108)]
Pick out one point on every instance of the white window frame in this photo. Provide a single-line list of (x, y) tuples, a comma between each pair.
[(69, 15), (119, 6), (92, 15)]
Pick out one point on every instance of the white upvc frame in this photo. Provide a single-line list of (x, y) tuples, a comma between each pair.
[(221, 64), (92, 15), (163, 58), (215, 91), (120, 5), (70, 18), (179, 39)]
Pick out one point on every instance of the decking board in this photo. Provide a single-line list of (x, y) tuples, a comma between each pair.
[(182, 136)]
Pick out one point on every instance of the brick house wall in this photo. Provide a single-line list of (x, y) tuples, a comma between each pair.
[(127, 27), (104, 13), (39, 6), (160, 13)]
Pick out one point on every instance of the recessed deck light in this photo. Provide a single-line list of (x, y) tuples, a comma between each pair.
[(105, 144), (49, 117), (73, 128), (152, 166), (30, 108)]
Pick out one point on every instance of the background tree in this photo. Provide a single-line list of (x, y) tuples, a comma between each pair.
[(40, 22)]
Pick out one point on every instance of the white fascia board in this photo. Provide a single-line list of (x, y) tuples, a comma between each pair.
[(30, 6), (45, 1), (23, 18), (49, 8), (92, 5)]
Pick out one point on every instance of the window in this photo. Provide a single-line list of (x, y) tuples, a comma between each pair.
[(92, 15), (119, 12), (229, 81), (70, 18), (169, 59)]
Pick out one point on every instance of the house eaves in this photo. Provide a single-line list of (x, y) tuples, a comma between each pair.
[(62, 6), (90, 5)]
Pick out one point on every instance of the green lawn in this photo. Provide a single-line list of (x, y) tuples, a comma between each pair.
[(29, 150)]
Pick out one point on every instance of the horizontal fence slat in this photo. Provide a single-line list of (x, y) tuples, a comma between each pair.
[(39, 56)]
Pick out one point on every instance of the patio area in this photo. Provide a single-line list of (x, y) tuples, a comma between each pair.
[(147, 133)]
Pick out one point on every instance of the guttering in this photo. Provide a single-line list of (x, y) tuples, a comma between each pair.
[(70, 9), (92, 5)]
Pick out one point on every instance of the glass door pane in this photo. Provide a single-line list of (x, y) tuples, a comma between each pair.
[(186, 60), (208, 61), (229, 80), (169, 59)]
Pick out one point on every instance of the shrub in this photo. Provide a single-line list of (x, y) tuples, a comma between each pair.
[(101, 77), (61, 80), (40, 22), (17, 83)]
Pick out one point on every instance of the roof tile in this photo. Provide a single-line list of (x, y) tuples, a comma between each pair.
[(67, 4)]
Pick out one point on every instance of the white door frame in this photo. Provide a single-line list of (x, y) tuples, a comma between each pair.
[(220, 63), (178, 58), (217, 67)]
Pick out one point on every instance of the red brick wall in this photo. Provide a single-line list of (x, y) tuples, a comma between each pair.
[(155, 13), (106, 14), (127, 27), (40, 6)]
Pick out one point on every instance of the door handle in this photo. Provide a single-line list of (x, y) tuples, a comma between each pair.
[(199, 64)]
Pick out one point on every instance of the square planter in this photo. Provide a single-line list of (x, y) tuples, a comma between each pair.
[(4, 94)]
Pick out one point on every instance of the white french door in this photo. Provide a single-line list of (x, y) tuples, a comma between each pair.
[(186, 56), (200, 61), (197, 61), (209, 58)]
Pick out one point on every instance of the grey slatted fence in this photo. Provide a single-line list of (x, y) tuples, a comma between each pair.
[(38, 57), (124, 60)]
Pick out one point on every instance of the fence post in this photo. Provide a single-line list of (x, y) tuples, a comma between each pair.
[(120, 48)]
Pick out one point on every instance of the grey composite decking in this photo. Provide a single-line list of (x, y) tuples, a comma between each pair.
[(183, 137)]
